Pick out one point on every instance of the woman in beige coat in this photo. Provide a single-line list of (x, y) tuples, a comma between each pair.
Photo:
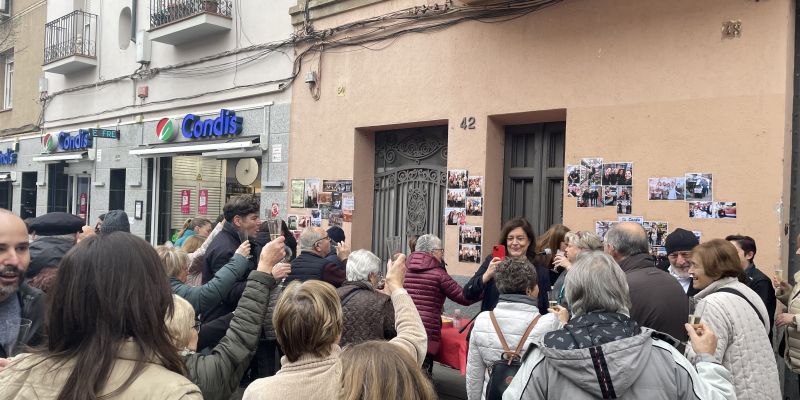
[(790, 297)]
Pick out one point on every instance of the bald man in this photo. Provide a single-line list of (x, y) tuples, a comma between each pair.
[(657, 299), (17, 299)]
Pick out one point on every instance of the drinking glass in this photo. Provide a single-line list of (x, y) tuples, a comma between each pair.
[(394, 244), (20, 325), (274, 227), (779, 274)]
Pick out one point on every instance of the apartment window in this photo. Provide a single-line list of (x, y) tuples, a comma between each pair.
[(8, 78)]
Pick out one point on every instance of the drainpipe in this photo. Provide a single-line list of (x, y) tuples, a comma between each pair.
[(134, 7)]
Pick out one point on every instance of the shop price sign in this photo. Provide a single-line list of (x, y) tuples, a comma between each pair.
[(185, 202), (202, 202)]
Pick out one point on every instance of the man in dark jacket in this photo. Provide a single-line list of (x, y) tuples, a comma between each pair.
[(337, 244), (679, 246), (756, 280), (311, 263), (657, 299), (17, 300), (54, 235)]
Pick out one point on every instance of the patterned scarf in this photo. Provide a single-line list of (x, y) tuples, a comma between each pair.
[(593, 329)]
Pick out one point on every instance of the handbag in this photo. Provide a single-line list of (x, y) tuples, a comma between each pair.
[(502, 371)]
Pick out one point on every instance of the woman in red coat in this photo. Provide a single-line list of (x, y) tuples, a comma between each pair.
[(428, 284)]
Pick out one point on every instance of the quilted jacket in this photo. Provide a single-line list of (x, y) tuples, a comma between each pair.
[(428, 284), (742, 342), (791, 299), (513, 314)]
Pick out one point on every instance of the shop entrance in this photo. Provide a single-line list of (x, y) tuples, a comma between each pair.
[(78, 195), (533, 174), (410, 184), (5, 195)]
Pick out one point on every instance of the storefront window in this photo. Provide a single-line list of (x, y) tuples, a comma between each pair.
[(28, 195), (116, 190), (57, 188), (5, 195)]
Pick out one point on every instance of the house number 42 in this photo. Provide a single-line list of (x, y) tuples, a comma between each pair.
[(468, 123)]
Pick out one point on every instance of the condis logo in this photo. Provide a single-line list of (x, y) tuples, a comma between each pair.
[(165, 130), (50, 142)]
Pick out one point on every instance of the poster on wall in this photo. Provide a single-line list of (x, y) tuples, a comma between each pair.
[(712, 209), (298, 193), (312, 186), (455, 216), (274, 210), (699, 186), (591, 171), (666, 188), (457, 179), (475, 187), (202, 202), (617, 174), (185, 202), (348, 202)]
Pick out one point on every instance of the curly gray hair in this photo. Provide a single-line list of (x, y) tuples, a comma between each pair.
[(515, 276)]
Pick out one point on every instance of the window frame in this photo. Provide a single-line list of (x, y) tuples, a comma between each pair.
[(8, 80)]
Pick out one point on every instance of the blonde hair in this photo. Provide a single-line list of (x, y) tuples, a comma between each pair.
[(307, 319), (380, 370), (174, 260), (192, 243), (181, 323)]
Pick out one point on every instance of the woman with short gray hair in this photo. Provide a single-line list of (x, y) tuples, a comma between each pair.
[(368, 314), (577, 242), (603, 353)]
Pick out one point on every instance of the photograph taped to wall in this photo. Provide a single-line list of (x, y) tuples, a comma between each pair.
[(573, 174), (457, 179), (291, 222), (347, 215), (591, 196), (324, 198), (602, 227), (627, 218), (469, 253), (475, 206), (316, 218), (457, 198), (336, 201), (312, 191), (298, 193), (329, 185), (618, 197), (592, 171), (336, 218), (469, 234), (712, 209), (325, 211), (656, 232), (573, 189), (475, 188), (617, 174), (658, 251), (348, 202), (699, 186), (454, 216), (344, 185), (666, 188), (303, 222)]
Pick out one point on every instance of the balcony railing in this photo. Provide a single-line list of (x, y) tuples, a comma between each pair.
[(71, 35), (163, 12)]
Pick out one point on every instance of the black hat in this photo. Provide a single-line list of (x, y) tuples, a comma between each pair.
[(115, 220), (336, 234), (56, 223), (680, 240)]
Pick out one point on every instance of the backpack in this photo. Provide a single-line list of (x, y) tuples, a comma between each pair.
[(502, 371)]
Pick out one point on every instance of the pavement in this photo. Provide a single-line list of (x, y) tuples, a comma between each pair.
[(449, 383)]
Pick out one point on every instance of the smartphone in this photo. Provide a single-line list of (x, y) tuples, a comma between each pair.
[(499, 251)]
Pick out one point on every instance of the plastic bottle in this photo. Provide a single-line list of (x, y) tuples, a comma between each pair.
[(457, 318)]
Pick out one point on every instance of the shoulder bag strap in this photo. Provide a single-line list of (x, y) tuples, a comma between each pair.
[(738, 293), (350, 295), (527, 333), (499, 333)]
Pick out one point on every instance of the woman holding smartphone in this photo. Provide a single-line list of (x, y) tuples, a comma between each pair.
[(517, 239)]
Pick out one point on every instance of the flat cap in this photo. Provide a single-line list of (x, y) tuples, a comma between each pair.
[(56, 223)]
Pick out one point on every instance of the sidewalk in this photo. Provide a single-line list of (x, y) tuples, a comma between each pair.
[(449, 383)]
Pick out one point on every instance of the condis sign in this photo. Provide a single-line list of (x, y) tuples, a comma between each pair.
[(227, 123)]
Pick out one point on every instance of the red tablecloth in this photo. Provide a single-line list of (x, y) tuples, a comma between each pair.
[(453, 348)]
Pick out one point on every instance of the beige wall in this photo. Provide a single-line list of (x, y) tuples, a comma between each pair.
[(28, 22), (650, 82)]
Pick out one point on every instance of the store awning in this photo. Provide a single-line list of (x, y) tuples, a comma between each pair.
[(60, 157), (173, 149)]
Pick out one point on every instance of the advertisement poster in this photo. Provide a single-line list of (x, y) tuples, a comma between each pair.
[(274, 210), (298, 190), (202, 202), (185, 204), (84, 201)]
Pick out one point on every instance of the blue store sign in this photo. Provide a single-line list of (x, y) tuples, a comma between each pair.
[(82, 140), (8, 158), (226, 124)]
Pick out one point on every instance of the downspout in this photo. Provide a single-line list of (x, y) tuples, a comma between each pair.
[(134, 8)]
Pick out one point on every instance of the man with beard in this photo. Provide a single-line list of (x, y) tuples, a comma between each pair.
[(17, 299), (679, 245)]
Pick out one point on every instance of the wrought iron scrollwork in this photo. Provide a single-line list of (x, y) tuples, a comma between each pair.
[(416, 218), (416, 148)]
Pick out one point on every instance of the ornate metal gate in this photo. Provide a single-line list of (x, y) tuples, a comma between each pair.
[(410, 184)]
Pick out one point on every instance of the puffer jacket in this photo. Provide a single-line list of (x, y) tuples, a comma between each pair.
[(513, 313), (791, 299), (219, 373), (742, 342), (636, 366), (367, 314), (428, 285), (204, 298)]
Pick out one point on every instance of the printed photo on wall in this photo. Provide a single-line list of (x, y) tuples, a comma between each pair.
[(316, 218), (457, 179), (656, 232), (618, 197), (347, 215), (329, 185), (298, 193), (666, 188), (291, 222), (324, 211), (591, 196), (711, 209), (699, 187), (591, 170), (336, 218), (455, 216), (344, 185), (627, 218), (658, 251), (602, 227), (573, 189), (324, 198), (618, 174), (336, 201), (457, 198), (475, 188), (348, 202), (475, 206), (469, 234), (312, 191), (469, 253), (573, 173), (303, 222)]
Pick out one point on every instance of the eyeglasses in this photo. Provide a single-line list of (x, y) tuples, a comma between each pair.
[(196, 325), (321, 239), (684, 254)]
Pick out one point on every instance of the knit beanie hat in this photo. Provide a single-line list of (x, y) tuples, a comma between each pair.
[(115, 220), (336, 234), (680, 240)]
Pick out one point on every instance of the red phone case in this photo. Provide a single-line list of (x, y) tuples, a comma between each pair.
[(499, 251)]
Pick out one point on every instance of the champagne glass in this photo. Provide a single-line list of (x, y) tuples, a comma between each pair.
[(22, 327)]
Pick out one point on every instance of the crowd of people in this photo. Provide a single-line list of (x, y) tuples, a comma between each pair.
[(100, 313)]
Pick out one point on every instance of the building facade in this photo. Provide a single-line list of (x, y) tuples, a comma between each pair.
[(162, 109), (399, 94)]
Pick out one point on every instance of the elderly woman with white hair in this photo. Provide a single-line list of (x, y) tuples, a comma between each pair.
[(428, 284), (368, 314), (603, 353), (577, 242)]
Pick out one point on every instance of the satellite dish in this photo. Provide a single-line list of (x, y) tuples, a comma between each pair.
[(246, 171)]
